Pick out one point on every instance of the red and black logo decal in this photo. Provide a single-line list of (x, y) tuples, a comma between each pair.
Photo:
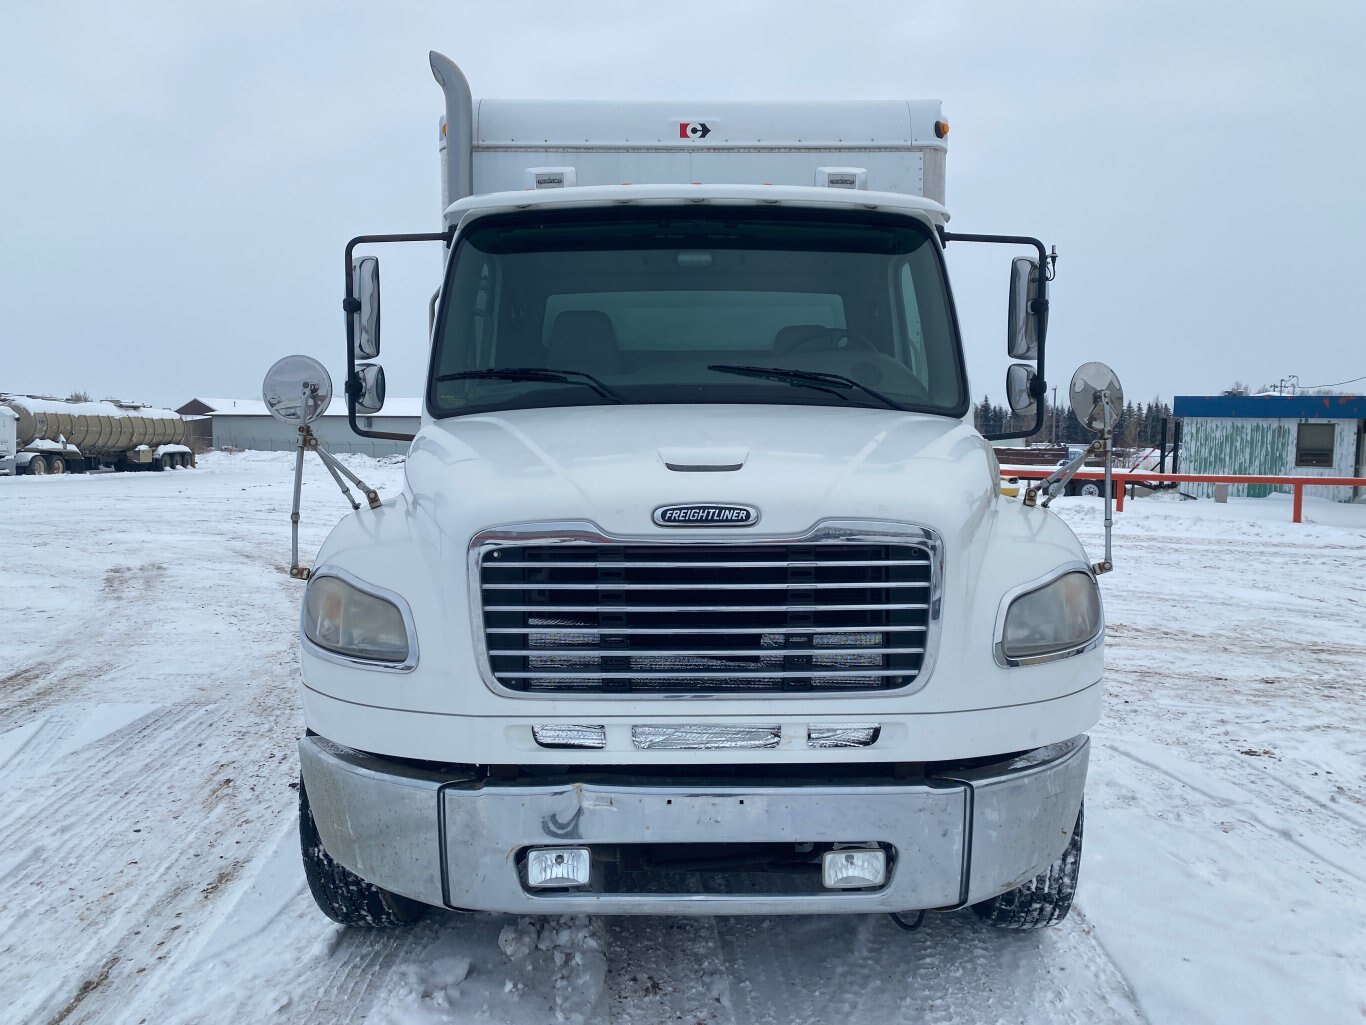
[(693, 130)]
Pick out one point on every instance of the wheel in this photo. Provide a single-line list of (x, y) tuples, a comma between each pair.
[(37, 466), (158, 464), (342, 895), (1043, 901), (1091, 489), (58, 465), (1056, 489)]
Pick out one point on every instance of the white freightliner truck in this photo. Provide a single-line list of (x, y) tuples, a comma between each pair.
[(700, 596)]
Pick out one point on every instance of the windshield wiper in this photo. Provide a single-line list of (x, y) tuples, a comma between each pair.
[(806, 378), (536, 374)]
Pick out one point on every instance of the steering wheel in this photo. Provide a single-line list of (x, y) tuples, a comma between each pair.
[(835, 338)]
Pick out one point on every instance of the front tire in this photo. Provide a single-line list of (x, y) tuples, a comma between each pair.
[(1043, 901), (342, 895), (37, 466)]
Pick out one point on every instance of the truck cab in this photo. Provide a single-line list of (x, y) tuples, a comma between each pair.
[(700, 596)]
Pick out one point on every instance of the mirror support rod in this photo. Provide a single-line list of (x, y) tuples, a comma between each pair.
[(1062, 475), (308, 440), (1047, 264), (1108, 438), (351, 306)]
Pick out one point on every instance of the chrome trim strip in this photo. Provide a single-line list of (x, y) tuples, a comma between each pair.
[(393, 597), (812, 586), (707, 630), (900, 607), (587, 652), (770, 564), (830, 531), (998, 635), (692, 674)]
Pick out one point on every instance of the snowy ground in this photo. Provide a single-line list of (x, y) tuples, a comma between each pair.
[(147, 806)]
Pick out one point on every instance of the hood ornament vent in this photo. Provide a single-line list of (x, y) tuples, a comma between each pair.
[(706, 514)]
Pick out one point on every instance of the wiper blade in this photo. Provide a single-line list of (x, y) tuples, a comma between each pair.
[(806, 378), (536, 374)]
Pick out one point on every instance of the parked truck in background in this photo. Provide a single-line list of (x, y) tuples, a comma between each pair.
[(54, 436), (8, 441), (700, 596)]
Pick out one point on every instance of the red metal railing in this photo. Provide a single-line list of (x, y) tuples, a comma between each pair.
[(1122, 477)]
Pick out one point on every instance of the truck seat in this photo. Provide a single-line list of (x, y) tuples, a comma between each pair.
[(583, 340)]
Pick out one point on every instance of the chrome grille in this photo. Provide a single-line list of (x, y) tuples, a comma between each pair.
[(687, 618)]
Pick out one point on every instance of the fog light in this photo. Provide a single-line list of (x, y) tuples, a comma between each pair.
[(852, 869), (557, 866)]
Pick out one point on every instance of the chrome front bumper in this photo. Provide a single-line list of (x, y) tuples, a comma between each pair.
[(958, 838)]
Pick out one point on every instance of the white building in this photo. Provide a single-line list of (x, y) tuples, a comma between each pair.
[(246, 424)]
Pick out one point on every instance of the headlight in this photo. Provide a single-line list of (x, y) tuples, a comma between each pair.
[(1051, 621), (348, 618)]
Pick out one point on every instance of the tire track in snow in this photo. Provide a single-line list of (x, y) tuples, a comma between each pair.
[(667, 969), (161, 862), (1245, 808), (813, 970)]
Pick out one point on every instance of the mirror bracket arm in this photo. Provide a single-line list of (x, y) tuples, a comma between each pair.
[(1039, 308), (351, 305)]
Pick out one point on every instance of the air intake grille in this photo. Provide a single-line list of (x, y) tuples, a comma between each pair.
[(704, 618)]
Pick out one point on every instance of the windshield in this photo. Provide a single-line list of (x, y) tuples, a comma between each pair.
[(696, 305)]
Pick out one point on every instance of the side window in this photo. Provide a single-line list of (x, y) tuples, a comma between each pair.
[(1314, 444), (913, 335)]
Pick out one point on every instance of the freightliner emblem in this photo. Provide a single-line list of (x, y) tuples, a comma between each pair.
[(706, 514)]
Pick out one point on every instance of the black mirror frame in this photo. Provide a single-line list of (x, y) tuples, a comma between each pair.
[(1040, 311), (351, 306)]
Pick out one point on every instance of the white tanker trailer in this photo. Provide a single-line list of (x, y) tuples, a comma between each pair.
[(53, 436)]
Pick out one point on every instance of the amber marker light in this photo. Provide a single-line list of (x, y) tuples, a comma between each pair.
[(941, 129)]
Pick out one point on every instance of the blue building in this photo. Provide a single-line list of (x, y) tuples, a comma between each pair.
[(1284, 435)]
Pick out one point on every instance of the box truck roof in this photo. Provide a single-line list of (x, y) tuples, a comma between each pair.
[(665, 195)]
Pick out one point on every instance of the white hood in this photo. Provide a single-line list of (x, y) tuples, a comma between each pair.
[(611, 465)]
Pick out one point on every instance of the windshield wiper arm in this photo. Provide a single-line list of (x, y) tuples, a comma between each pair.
[(808, 378), (536, 374)]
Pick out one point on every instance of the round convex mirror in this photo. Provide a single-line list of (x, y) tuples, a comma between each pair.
[(297, 390), (1094, 386)]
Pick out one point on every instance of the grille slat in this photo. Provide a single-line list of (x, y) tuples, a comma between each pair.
[(821, 585), (765, 564), (690, 618), (594, 631), (594, 652), (695, 608)]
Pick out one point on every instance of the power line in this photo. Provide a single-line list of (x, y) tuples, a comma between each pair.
[(1309, 387)]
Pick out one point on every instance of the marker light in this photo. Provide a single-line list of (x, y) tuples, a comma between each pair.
[(852, 869), (941, 129), (557, 866)]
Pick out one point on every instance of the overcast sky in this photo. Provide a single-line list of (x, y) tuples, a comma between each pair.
[(178, 180)]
